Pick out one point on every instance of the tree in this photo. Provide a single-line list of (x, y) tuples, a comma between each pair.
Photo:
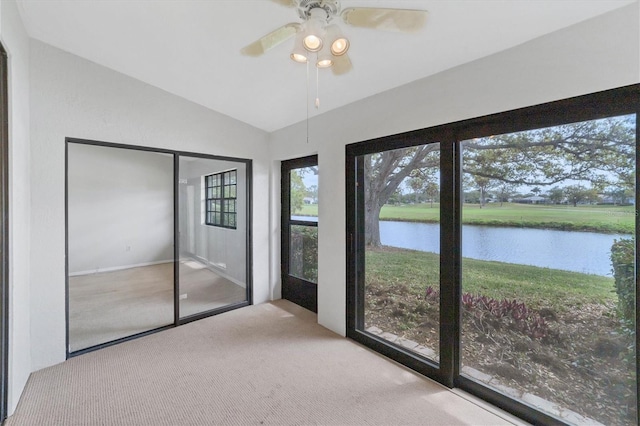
[(504, 192), (417, 184), (432, 190), (556, 195), (298, 191), (577, 194), (312, 192), (383, 173), (597, 151), (483, 184), (619, 195)]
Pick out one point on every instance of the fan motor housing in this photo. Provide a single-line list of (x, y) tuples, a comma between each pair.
[(331, 7)]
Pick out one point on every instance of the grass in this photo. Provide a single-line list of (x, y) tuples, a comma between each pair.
[(537, 287), (605, 219)]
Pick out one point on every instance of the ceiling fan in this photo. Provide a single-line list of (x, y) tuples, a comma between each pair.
[(316, 34)]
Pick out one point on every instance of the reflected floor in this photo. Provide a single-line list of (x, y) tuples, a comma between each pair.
[(112, 305)]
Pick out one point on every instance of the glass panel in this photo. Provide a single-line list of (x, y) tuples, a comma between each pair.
[(303, 249), (120, 210), (213, 260), (548, 214), (304, 194), (402, 261)]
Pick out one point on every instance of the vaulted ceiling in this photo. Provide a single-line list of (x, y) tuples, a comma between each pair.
[(191, 48)]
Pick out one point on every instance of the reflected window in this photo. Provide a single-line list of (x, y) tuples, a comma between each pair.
[(220, 202)]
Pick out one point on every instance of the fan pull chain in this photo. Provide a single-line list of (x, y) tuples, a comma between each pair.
[(307, 103), (317, 88)]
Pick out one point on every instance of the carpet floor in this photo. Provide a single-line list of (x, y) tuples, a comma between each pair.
[(263, 364)]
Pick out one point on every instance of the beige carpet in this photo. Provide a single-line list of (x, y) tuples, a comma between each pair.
[(264, 364), (112, 305)]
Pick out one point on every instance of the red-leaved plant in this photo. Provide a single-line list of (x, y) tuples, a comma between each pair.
[(525, 319)]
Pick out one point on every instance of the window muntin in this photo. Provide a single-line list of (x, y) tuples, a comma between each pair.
[(221, 199)]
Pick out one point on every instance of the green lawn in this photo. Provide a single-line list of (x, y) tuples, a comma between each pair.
[(607, 219), (537, 287)]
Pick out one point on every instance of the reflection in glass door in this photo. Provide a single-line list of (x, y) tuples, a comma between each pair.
[(155, 239), (212, 209), (300, 231), (120, 237)]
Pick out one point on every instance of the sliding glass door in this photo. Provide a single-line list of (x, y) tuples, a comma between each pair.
[(401, 297), (501, 257), (155, 238), (544, 320), (213, 234), (120, 234)]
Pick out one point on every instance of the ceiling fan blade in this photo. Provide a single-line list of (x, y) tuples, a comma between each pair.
[(271, 40), (403, 20), (341, 64), (286, 3)]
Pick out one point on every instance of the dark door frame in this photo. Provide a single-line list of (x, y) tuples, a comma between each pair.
[(4, 232), (297, 290)]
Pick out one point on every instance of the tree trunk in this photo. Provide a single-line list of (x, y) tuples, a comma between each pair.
[(372, 225)]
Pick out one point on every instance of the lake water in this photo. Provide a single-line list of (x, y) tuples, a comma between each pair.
[(585, 252)]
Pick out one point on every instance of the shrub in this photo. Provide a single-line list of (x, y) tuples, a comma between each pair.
[(623, 263), (304, 253)]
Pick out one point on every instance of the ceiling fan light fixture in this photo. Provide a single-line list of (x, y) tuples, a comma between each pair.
[(340, 46), (324, 58), (299, 54), (312, 43), (314, 30), (324, 63), (299, 57), (339, 43)]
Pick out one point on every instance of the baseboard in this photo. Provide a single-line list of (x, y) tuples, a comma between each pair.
[(118, 268), (213, 268)]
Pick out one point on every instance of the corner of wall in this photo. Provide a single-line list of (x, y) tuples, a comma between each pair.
[(16, 42)]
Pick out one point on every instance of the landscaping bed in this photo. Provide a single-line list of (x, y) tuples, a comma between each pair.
[(556, 336)]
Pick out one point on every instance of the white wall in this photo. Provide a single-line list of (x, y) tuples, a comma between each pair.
[(120, 208), (595, 55), (73, 97), (222, 248), (16, 42)]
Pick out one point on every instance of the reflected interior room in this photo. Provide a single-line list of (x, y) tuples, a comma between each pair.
[(124, 199)]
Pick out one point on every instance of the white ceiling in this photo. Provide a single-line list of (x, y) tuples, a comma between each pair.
[(191, 48)]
